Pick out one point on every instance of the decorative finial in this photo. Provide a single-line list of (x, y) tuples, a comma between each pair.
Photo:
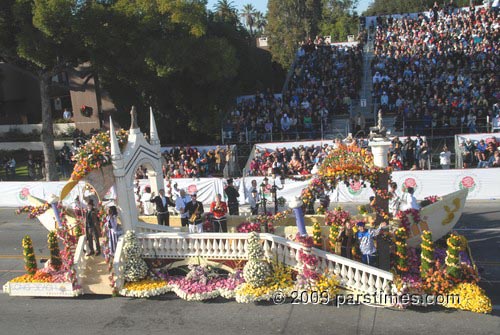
[(133, 118)]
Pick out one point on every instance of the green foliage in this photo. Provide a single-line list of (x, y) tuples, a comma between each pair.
[(293, 21), (29, 256), (55, 257)]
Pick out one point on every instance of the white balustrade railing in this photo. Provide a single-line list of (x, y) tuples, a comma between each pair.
[(118, 264), (79, 261), (353, 275), (141, 227)]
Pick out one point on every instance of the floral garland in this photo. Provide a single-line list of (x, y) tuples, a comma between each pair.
[(95, 153), (454, 243), (384, 194), (429, 200), (308, 276), (427, 253), (33, 211), (347, 163), (401, 250)]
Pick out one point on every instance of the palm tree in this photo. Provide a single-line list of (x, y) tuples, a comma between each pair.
[(248, 13), (225, 9), (260, 21)]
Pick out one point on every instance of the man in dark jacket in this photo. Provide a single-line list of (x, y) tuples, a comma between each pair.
[(232, 198), (92, 228), (162, 202)]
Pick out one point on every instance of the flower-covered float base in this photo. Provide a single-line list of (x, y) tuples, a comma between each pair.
[(41, 289)]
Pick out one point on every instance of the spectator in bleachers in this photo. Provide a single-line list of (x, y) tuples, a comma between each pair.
[(438, 72)]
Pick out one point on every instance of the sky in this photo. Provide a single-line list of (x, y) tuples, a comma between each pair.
[(261, 5)]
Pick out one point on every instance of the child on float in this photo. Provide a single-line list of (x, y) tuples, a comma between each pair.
[(366, 242)]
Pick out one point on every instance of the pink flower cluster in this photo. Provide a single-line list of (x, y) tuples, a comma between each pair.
[(432, 198), (248, 227), (308, 259), (338, 217), (404, 216), (306, 241), (194, 286)]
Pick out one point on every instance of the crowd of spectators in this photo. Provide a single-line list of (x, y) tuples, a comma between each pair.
[(325, 79), (480, 154), (189, 162), (439, 72)]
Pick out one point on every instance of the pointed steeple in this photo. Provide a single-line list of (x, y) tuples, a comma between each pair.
[(115, 148), (153, 133)]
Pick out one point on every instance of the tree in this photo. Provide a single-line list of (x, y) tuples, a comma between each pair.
[(39, 38), (287, 27), (260, 22), (248, 14), (226, 11)]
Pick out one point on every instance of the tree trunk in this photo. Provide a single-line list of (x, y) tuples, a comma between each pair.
[(47, 131)]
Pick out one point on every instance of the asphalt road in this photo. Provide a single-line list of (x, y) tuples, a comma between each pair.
[(97, 314)]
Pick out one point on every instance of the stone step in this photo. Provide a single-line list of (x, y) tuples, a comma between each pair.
[(95, 279)]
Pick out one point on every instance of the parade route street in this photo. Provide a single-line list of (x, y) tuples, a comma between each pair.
[(171, 315)]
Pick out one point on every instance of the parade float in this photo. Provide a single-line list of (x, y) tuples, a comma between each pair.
[(422, 254)]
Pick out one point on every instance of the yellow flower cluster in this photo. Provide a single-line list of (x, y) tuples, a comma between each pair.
[(281, 279), (328, 283), (472, 298), (145, 285), (38, 278)]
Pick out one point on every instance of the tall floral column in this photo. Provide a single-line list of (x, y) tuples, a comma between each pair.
[(452, 260), (401, 250), (308, 274), (55, 257), (135, 267), (427, 254), (29, 256), (318, 240), (334, 239)]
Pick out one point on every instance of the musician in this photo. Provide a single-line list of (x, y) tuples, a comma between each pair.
[(232, 198), (218, 209), (195, 210), (162, 202)]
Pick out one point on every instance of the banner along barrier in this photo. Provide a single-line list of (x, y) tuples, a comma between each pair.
[(482, 184)]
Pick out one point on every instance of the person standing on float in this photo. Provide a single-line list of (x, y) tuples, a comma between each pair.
[(232, 198)]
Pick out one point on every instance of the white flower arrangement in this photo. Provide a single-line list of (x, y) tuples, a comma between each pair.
[(135, 267), (256, 270)]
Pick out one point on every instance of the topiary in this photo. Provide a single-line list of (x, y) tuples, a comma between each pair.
[(256, 270), (401, 250), (317, 235), (29, 256), (55, 257)]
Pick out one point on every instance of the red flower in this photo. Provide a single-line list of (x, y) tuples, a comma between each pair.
[(468, 182), (410, 182)]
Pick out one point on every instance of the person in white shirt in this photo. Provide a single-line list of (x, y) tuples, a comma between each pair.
[(445, 158), (408, 200), (180, 206), (395, 200), (147, 206)]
